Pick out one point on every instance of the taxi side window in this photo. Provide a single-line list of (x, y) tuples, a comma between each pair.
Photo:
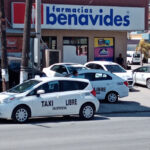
[(102, 76), (72, 85), (59, 68), (96, 76), (62, 69), (98, 67), (55, 68), (91, 66), (89, 76), (49, 87), (53, 86)]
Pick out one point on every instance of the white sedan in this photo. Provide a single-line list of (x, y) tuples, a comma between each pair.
[(113, 68), (62, 69), (108, 86), (49, 97), (142, 76)]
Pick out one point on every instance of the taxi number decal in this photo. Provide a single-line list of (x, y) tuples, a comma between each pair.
[(47, 103), (102, 89), (59, 108), (71, 102)]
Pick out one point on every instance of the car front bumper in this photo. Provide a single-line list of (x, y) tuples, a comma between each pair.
[(5, 111)]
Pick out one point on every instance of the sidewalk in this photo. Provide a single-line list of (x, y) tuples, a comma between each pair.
[(137, 101)]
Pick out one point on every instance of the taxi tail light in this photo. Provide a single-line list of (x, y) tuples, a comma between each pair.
[(93, 92), (126, 83)]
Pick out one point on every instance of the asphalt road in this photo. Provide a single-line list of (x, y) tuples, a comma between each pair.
[(120, 126), (105, 132)]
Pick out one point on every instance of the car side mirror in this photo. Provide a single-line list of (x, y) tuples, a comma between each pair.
[(39, 92)]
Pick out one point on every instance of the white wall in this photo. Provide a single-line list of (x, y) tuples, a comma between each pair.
[(69, 55)]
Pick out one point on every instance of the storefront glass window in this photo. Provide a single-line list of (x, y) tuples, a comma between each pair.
[(75, 41), (51, 42)]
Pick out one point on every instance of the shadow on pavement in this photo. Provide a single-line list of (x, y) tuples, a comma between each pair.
[(124, 108), (134, 90), (59, 119), (139, 85), (128, 114)]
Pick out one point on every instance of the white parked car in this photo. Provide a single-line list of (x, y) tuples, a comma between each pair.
[(49, 97), (141, 76), (108, 86), (62, 69), (113, 68)]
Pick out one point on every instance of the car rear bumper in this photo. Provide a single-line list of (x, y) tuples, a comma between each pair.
[(124, 93), (130, 84)]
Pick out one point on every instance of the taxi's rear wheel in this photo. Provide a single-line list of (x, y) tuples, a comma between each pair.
[(87, 111), (112, 97), (148, 83), (21, 114)]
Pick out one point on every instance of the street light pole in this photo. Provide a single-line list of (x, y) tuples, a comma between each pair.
[(4, 62)]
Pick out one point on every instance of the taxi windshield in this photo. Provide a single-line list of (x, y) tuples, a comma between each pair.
[(25, 86), (115, 68)]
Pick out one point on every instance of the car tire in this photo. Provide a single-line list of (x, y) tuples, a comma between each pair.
[(148, 83), (112, 97), (21, 114), (87, 112)]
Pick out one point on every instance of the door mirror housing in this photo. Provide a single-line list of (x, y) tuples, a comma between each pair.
[(39, 92)]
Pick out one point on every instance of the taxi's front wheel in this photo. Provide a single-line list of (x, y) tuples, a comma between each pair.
[(87, 111), (21, 114)]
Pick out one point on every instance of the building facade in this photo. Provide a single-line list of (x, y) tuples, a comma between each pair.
[(80, 30)]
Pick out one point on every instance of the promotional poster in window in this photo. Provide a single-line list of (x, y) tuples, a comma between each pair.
[(104, 49)]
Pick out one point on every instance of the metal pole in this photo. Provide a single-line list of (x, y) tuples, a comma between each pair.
[(38, 31), (4, 62)]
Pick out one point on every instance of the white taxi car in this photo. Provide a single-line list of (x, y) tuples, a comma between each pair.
[(49, 97), (108, 86), (113, 68), (62, 69), (142, 76)]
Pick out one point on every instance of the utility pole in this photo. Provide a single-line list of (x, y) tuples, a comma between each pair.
[(4, 62), (26, 42)]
